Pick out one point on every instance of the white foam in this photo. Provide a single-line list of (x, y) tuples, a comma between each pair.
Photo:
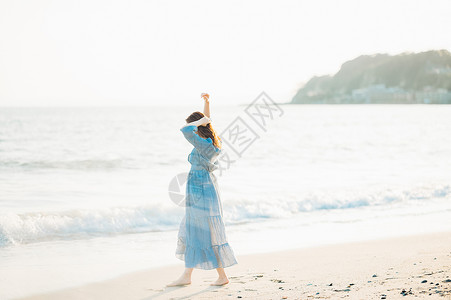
[(84, 223)]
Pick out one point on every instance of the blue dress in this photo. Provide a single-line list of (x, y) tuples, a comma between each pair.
[(202, 241)]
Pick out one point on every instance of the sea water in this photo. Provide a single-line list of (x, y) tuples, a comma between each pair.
[(84, 191)]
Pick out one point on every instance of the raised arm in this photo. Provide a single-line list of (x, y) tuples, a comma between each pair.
[(206, 98), (189, 131)]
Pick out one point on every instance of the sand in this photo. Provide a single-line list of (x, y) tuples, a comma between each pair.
[(404, 267)]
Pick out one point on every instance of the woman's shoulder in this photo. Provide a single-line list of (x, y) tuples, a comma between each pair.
[(211, 142)]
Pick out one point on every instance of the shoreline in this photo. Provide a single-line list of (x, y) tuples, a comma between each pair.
[(387, 267)]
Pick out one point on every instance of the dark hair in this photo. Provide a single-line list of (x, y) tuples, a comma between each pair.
[(205, 131)]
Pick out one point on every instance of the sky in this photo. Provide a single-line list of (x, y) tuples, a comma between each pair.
[(144, 52)]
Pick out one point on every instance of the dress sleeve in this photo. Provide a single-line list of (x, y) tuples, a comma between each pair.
[(190, 134)]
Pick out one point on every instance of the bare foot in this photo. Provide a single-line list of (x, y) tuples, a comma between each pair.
[(221, 281), (180, 282)]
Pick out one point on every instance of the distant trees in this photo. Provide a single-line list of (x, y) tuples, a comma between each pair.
[(412, 73)]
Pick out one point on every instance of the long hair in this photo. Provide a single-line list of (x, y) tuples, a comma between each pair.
[(205, 131)]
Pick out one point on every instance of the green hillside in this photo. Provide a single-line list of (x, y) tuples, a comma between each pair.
[(406, 78)]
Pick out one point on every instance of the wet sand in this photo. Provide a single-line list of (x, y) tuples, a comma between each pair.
[(409, 266)]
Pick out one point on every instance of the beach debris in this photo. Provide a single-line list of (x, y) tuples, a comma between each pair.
[(343, 290), (424, 281), (374, 275), (284, 297), (447, 280), (330, 284), (405, 293), (383, 296), (351, 284), (277, 281), (239, 297)]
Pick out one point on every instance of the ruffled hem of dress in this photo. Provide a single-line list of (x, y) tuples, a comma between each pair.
[(207, 258)]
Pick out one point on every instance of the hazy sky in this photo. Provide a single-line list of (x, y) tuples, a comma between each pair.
[(101, 52)]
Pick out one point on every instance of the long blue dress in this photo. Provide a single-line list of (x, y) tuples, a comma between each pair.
[(202, 241)]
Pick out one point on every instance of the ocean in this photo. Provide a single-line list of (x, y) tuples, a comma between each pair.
[(84, 192)]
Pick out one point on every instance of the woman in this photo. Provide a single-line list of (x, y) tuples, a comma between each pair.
[(202, 241)]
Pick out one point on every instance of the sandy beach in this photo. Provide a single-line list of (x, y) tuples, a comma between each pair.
[(409, 266)]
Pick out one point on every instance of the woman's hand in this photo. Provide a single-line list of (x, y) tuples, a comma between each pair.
[(205, 96)]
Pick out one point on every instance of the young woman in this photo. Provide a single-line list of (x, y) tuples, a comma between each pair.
[(202, 241)]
